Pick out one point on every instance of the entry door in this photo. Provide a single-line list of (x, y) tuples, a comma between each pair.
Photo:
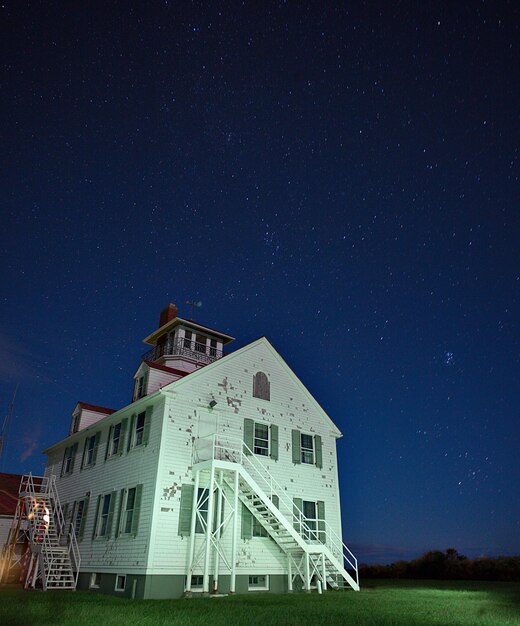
[(208, 426)]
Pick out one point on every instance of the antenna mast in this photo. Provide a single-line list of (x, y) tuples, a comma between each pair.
[(193, 305), (6, 420)]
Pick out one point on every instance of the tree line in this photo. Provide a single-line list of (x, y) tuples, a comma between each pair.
[(448, 565)]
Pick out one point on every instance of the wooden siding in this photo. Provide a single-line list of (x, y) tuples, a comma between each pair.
[(88, 417), (158, 378), (230, 383), (137, 466)]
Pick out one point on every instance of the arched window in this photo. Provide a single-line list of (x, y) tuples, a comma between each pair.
[(261, 386)]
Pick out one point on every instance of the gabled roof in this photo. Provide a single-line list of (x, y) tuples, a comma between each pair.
[(97, 409), (177, 321), (264, 342), (9, 487)]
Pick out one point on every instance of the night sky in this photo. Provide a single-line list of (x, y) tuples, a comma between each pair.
[(341, 177)]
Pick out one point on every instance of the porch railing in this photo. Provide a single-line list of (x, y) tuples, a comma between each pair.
[(199, 352)]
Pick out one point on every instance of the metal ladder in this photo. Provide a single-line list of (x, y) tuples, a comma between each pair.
[(51, 556)]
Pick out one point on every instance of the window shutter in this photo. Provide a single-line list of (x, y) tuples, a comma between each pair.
[(120, 512), (137, 509), (96, 444), (124, 427), (111, 513), (297, 513), (185, 510), (73, 458), (147, 425), (249, 428), (321, 525), (132, 432), (296, 447), (63, 462), (318, 452), (109, 441), (96, 518), (274, 442), (247, 523), (84, 454), (83, 518), (275, 500)]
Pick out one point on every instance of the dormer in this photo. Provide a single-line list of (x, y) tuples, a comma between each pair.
[(151, 376), (87, 414), (184, 344)]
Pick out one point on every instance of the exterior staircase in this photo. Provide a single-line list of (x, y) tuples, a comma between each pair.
[(314, 551), (51, 556)]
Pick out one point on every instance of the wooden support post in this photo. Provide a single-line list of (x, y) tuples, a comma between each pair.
[(307, 582), (209, 528), (323, 572), (192, 532), (289, 572), (220, 482), (232, 585)]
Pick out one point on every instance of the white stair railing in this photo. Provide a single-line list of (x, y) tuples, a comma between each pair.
[(45, 534), (319, 531)]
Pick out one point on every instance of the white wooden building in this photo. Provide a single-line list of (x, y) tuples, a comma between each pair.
[(236, 439)]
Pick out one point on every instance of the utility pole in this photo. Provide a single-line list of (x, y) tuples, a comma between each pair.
[(6, 421)]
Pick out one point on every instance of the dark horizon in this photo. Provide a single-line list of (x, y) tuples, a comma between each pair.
[(342, 179)]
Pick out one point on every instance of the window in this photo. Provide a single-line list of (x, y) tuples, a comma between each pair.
[(258, 582), (213, 347), (261, 442), (129, 511), (197, 583), (140, 387), (68, 460), (120, 582), (90, 447), (200, 343), (139, 429), (307, 449), (187, 339), (75, 422), (95, 580), (115, 440), (310, 521), (261, 386), (104, 515), (258, 529), (78, 517), (261, 438)]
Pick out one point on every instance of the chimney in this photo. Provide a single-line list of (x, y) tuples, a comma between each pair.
[(167, 314)]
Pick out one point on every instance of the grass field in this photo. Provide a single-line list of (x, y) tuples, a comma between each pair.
[(380, 602)]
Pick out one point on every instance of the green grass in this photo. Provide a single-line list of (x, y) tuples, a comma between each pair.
[(402, 603)]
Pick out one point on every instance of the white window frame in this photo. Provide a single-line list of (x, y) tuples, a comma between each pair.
[(75, 422), (90, 451), (313, 533), (139, 431), (76, 520), (124, 517), (262, 439), (118, 588), (253, 587), (93, 584), (113, 452), (307, 450), (67, 461), (199, 585), (101, 515)]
